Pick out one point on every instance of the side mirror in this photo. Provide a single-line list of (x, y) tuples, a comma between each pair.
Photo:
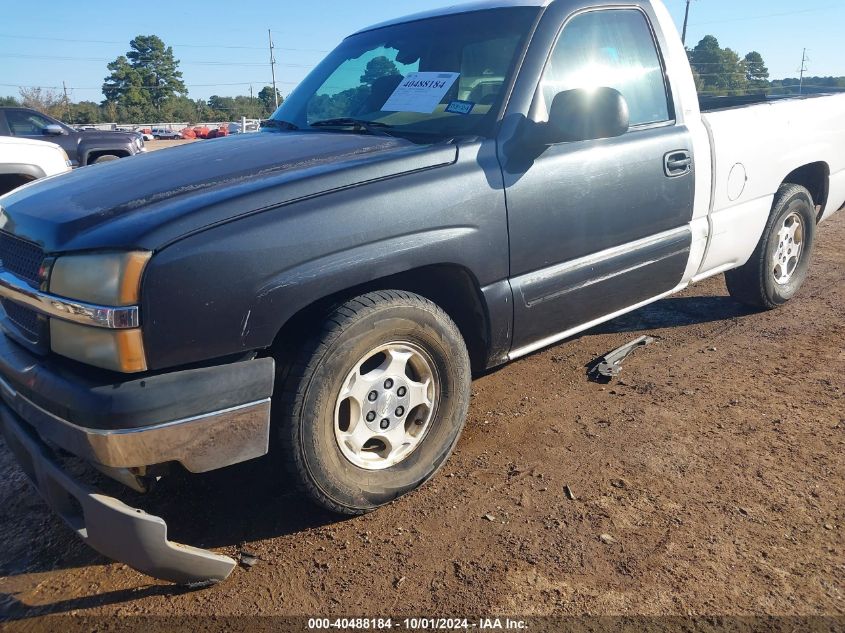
[(54, 130), (585, 115)]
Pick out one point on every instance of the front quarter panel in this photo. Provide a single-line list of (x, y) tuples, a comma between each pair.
[(231, 288)]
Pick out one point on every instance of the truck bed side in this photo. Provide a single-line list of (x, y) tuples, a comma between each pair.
[(756, 149)]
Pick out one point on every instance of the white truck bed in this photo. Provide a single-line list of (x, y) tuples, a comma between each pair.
[(753, 148)]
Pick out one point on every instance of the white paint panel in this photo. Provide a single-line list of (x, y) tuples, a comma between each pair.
[(770, 140), (836, 196), (700, 228), (736, 232)]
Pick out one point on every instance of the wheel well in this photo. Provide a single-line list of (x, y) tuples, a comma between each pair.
[(108, 152), (8, 182), (815, 177), (451, 287)]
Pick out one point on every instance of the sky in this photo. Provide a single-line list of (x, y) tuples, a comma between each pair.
[(224, 50)]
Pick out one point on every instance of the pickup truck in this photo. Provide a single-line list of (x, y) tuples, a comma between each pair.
[(84, 147), (504, 176), (22, 161)]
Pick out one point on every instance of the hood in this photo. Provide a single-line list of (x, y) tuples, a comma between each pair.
[(17, 141), (151, 199), (93, 136)]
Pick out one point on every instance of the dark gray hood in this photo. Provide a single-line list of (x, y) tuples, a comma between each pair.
[(96, 136), (151, 199)]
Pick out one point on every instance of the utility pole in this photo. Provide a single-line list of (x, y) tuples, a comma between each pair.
[(273, 67), (686, 22), (251, 102), (67, 103), (804, 69)]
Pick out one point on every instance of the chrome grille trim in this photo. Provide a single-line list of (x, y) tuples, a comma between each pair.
[(18, 290)]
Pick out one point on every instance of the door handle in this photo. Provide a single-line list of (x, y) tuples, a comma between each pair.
[(678, 163)]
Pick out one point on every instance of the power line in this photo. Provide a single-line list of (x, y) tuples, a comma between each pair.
[(221, 46), (239, 83), (769, 15), (741, 61), (145, 59)]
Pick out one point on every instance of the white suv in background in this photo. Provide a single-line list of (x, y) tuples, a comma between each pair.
[(24, 160), (166, 133)]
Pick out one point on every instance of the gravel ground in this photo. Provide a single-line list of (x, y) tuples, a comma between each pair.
[(707, 480)]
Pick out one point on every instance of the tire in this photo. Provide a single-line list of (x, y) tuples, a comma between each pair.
[(777, 269), (319, 415), (105, 158)]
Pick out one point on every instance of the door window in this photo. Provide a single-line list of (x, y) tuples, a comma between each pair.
[(610, 49), (23, 123)]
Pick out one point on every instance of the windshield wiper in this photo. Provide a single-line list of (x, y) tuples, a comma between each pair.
[(279, 124), (375, 128)]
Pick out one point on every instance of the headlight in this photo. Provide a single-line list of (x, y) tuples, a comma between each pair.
[(102, 279), (139, 143)]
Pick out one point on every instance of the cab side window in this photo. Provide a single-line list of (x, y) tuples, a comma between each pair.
[(23, 123), (613, 49)]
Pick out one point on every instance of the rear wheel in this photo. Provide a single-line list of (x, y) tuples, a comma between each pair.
[(780, 263), (375, 403)]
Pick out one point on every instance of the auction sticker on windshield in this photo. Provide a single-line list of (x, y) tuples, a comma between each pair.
[(420, 92)]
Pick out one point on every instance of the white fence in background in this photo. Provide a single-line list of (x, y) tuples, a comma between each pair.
[(247, 125)]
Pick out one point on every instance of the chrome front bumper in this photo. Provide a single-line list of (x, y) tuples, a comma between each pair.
[(200, 443), (108, 525), (204, 418)]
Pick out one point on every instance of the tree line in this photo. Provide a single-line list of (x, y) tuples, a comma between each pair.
[(146, 85), (722, 71), (180, 108)]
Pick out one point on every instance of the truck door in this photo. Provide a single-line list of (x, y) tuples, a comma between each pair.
[(595, 226)]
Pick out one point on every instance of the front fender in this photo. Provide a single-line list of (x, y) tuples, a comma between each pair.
[(231, 288), (22, 169), (86, 150)]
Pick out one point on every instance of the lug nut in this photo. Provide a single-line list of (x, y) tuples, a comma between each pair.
[(371, 416), (388, 384), (401, 392), (373, 396), (384, 424), (400, 411)]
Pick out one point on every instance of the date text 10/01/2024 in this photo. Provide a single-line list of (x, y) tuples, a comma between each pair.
[(416, 624)]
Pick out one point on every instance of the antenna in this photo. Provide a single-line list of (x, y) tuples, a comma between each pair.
[(273, 67)]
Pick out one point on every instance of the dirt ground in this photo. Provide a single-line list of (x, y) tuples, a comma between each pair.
[(152, 146), (707, 480)]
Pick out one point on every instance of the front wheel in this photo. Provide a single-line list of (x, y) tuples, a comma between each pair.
[(375, 403), (105, 158), (780, 263)]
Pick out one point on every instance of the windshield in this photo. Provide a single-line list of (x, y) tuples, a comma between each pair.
[(424, 80)]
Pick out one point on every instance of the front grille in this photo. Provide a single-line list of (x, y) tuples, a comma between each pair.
[(23, 259), (25, 319)]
